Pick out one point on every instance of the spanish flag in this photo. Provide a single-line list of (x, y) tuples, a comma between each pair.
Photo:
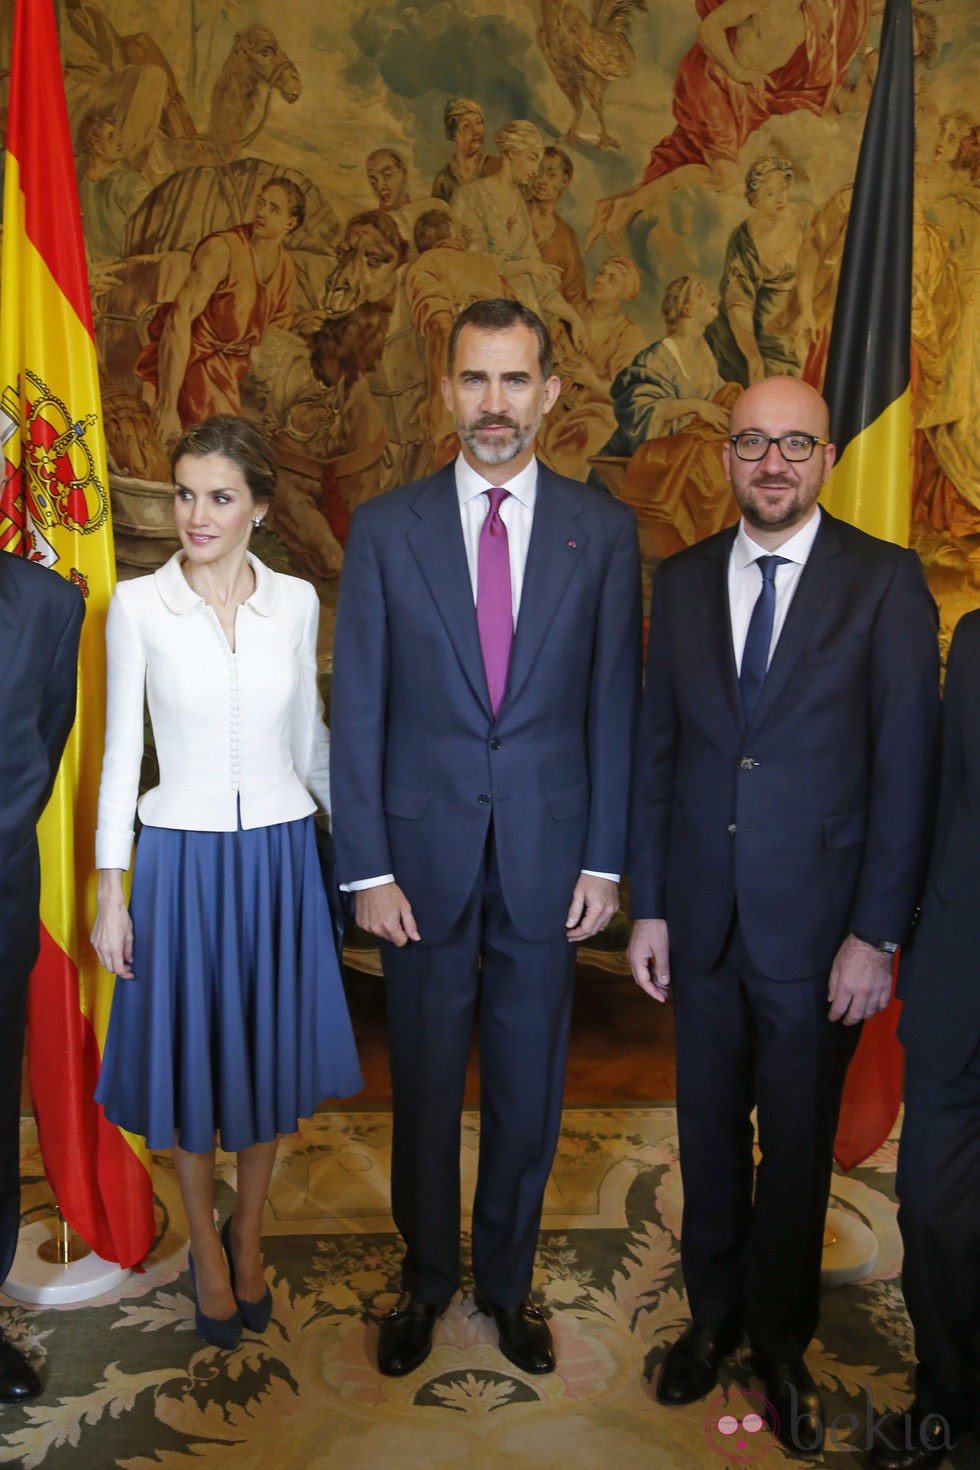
[(54, 508), (868, 388)]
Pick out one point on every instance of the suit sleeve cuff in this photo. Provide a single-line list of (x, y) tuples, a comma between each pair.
[(362, 883)]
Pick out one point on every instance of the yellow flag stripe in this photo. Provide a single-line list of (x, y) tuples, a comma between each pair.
[(869, 485), (62, 351)]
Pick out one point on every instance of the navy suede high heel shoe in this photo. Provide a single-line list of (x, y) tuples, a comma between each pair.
[(220, 1332), (255, 1315)]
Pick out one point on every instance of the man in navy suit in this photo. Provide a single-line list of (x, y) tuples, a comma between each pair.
[(939, 1155), (486, 669), (40, 622), (784, 773)]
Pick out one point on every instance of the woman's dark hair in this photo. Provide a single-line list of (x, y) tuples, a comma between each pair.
[(238, 441), (497, 314)]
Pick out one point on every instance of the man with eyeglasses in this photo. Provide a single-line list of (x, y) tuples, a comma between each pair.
[(782, 789)]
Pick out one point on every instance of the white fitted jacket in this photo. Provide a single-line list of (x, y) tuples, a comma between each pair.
[(233, 731)]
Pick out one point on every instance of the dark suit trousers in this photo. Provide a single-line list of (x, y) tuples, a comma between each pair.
[(13, 1010), (939, 1216), (525, 996), (752, 1237)]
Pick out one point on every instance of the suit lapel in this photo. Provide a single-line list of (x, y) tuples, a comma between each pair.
[(711, 623), (816, 581), (558, 542), (437, 544), (11, 635)]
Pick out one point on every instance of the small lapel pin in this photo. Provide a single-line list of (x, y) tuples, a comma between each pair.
[(572, 545)]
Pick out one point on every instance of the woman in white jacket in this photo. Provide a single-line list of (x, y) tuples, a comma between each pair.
[(229, 1016)]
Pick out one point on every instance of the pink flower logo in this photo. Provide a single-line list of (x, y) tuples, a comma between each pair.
[(741, 1433)]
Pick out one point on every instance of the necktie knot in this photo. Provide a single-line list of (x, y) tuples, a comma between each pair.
[(496, 496), (767, 566)]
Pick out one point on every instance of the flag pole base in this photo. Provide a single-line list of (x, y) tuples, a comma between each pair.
[(850, 1249), (42, 1276)]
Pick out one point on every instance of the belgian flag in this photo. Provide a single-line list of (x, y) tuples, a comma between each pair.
[(867, 381), (54, 508), (867, 386)]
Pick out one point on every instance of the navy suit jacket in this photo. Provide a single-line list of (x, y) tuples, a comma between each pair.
[(812, 819), (938, 978), (419, 764), (40, 621)]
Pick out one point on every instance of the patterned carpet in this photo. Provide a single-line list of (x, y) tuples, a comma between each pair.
[(129, 1384)]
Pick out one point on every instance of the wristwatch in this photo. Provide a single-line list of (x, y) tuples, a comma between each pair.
[(883, 946)]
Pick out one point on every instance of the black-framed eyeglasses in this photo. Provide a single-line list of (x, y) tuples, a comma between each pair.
[(795, 448)]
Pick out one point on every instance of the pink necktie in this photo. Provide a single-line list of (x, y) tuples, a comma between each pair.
[(494, 609)]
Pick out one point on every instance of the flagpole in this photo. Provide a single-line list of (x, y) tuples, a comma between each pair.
[(42, 1281)]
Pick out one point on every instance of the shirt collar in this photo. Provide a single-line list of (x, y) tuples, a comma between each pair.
[(179, 596), (470, 483), (797, 548)]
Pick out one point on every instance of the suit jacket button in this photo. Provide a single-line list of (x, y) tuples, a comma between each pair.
[(495, 743), (483, 799)]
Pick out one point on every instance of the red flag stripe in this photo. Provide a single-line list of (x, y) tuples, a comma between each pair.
[(64, 1068), (39, 137)]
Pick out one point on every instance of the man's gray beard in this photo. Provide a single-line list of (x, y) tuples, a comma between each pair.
[(500, 451)]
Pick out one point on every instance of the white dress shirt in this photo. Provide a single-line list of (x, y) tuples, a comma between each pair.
[(517, 514), (238, 735), (745, 580)]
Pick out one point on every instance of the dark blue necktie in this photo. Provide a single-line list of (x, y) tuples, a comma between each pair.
[(755, 655)]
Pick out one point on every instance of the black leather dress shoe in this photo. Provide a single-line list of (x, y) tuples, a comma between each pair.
[(18, 1379), (405, 1336), (690, 1369), (798, 1421), (525, 1337), (914, 1440)]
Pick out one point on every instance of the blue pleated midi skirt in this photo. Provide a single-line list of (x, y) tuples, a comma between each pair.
[(235, 1024)]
